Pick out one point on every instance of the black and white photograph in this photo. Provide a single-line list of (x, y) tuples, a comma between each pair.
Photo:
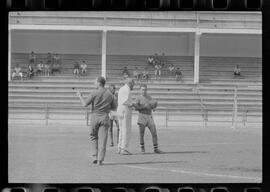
[(135, 97)]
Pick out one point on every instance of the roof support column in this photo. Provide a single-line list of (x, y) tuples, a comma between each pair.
[(103, 53), (197, 57), (9, 54)]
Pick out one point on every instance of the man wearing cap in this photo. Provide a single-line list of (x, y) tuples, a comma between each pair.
[(102, 103), (124, 111), (145, 104)]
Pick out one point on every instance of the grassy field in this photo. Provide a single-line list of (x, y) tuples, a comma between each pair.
[(59, 153)]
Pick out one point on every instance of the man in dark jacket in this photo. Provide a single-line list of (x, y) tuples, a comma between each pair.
[(102, 102)]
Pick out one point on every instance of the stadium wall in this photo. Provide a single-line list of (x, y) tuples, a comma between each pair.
[(66, 42), (132, 43)]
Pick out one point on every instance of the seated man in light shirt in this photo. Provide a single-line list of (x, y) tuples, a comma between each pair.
[(124, 111), (83, 68), (237, 71), (17, 72)]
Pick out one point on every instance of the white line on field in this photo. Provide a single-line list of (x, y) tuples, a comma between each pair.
[(197, 144), (193, 172), (201, 144)]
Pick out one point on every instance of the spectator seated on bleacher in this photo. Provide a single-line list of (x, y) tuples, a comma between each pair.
[(125, 73), (30, 71), (178, 74), (83, 68), (151, 60), (158, 71), (136, 74), (145, 74), (56, 59), (163, 60), (56, 65), (76, 69), (49, 58), (171, 69), (237, 71), (56, 68), (17, 72), (40, 68), (47, 69), (32, 58)]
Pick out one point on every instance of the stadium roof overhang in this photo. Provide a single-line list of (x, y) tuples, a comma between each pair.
[(191, 22), (133, 29)]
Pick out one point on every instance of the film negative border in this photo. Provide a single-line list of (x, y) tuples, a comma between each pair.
[(143, 5), (134, 188)]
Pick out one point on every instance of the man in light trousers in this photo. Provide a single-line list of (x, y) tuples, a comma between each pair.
[(124, 111)]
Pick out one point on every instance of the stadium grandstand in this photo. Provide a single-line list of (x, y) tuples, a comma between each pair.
[(206, 46)]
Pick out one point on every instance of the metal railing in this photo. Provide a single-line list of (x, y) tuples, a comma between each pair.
[(234, 109)]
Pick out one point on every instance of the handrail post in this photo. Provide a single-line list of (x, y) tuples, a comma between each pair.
[(166, 116), (87, 116), (245, 117), (235, 110), (205, 117), (47, 114)]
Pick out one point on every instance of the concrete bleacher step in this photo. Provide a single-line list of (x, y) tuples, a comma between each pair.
[(180, 98)]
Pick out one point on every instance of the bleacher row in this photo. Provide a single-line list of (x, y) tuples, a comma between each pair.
[(58, 92)]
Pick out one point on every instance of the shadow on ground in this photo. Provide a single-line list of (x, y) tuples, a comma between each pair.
[(145, 162), (171, 152)]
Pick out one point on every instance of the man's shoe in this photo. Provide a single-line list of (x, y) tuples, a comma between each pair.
[(111, 145), (119, 150), (125, 152), (157, 151), (143, 150), (99, 162), (95, 161)]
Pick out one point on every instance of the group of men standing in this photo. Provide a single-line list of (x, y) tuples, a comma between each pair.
[(108, 107)]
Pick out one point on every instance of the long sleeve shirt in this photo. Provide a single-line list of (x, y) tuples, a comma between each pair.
[(102, 101), (124, 95), (142, 104)]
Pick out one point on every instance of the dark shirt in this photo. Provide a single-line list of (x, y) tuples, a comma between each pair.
[(178, 72), (102, 101), (143, 104), (115, 97), (76, 66)]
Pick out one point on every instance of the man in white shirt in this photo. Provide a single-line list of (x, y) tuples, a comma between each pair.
[(124, 111), (83, 68)]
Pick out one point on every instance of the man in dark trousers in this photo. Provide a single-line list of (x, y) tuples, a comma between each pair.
[(102, 102), (145, 104)]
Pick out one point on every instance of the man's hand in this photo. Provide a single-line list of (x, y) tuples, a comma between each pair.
[(147, 105)]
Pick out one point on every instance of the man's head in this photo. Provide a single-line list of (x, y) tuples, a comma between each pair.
[(17, 64), (143, 89), (130, 82), (112, 88), (100, 82)]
